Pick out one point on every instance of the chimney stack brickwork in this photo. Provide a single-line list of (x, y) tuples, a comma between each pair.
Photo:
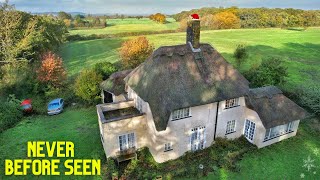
[(193, 32)]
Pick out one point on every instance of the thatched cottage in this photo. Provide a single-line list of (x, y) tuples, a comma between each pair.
[(182, 98)]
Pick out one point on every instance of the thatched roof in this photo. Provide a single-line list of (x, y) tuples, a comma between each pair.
[(115, 83), (175, 77), (273, 107)]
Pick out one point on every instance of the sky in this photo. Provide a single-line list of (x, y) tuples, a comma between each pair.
[(150, 6)]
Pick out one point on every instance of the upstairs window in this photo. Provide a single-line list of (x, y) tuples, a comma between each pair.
[(167, 147), (231, 127), (139, 104), (232, 103), (180, 114)]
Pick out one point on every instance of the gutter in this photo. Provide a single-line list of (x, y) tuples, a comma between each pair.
[(216, 122)]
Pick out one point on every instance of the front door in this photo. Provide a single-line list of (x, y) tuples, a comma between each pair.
[(198, 138), (249, 130)]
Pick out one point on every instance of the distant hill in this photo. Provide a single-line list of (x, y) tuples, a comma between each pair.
[(56, 13)]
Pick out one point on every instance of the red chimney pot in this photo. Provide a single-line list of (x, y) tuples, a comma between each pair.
[(195, 16)]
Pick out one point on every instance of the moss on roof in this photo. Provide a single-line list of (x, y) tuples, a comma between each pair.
[(273, 107), (115, 83), (175, 77)]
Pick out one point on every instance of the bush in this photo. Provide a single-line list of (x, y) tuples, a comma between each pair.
[(105, 69), (135, 51), (87, 86), (310, 97), (240, 54), (10, 113), (270, 72)]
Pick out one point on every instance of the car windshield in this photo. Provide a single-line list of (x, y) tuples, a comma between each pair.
[(53, 104)]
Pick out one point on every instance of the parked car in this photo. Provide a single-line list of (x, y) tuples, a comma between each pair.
[(55, 106), (26, 106)]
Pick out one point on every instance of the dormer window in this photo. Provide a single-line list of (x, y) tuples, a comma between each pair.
[(232, 103), (180, 114)]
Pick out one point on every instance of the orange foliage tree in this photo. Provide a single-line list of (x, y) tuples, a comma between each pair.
[(226, 20), (134, 52), (160, 18), (51, 70)]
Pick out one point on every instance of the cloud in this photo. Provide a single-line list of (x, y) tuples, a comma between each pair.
[(151, 6)]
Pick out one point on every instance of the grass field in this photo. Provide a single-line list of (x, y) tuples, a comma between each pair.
[(284, 160), (299, 49), (79, 126), (129, 25)]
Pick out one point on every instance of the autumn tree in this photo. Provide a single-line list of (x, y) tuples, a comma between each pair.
[(134, 52), (160, 18), (226, 20), (51, 70)]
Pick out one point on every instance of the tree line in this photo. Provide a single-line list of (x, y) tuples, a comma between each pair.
[(82, 21), (234, 17)]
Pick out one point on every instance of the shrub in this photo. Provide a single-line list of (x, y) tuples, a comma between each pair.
[(310, 97), (87, 86), (10, 113), (51, 71), (270, 72), (240, 54), (105, 69), (134, 52)]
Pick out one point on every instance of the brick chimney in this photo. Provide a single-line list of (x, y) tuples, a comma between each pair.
[(193, 32)]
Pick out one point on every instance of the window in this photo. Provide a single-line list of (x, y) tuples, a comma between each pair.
[(198, 138), (101, 138), (139, 103), (180, 114), (232, 103), (167, 147), (126, 141), (249, 130), (278, 131), (231, 126)]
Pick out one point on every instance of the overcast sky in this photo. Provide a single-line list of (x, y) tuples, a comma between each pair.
[(151, 6)]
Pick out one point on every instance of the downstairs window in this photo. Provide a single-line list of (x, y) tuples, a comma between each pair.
[(278, 131)]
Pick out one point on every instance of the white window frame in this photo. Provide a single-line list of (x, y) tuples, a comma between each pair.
[(168, 147), (247, 133), (231, 127), (181, 114), (127, 144), (139, 103), (231, 103), (198, 138), (285, 130)]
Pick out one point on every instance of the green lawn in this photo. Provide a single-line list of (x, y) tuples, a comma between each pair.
[(284, 160), (79, 126), (299, 49), (115, 26)]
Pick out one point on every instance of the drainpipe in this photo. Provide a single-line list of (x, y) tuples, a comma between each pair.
[(216, 122)]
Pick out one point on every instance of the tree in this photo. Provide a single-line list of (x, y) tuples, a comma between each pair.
[(240, 54), (134, 52), (270, 72), (87, 86), (226, 20), (63, 15), (51, 71), (105, 69)]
